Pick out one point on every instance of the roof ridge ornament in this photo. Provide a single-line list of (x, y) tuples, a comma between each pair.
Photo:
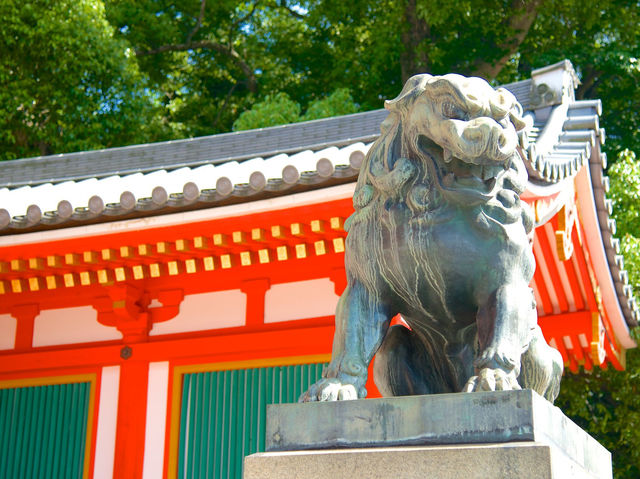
[(553, 85)]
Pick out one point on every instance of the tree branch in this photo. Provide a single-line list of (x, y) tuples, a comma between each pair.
[(283, 4), (525, 12), (224, 105), (247, 16), (209, 45), (227, 50), (198, 22), (238, 21)]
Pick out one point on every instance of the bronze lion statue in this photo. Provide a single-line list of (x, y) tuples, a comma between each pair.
[(440, 236)]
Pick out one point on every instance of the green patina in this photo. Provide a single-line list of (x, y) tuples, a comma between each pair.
[(441, 237)]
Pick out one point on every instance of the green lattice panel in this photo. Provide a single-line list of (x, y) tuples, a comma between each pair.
[(43, 431), (223, 415)]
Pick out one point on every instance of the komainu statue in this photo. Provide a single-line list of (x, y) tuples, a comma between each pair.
[(440, 236)]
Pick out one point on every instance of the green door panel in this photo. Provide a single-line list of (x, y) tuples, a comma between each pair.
[(224, 412), (43, 431)]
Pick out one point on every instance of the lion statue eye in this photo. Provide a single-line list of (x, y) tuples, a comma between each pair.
[(451, 111)]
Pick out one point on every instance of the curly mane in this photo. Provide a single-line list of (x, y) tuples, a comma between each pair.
[(409, 163)]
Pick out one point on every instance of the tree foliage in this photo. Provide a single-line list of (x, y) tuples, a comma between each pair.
[(66, 82), (279, 109), (128, 71), (605, 404), (276, 109), (340, 102), (624, 176)]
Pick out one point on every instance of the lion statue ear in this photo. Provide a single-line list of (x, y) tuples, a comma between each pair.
[(412, 88), (505, 103)]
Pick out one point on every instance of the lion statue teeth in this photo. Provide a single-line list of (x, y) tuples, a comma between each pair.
[(440, 236)]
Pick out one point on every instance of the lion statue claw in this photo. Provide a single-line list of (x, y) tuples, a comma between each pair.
[(440, 236)]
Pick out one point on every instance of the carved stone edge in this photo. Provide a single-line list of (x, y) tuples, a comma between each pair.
[(475, 418)]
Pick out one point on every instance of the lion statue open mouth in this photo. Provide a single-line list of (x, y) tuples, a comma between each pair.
[(440, 236)]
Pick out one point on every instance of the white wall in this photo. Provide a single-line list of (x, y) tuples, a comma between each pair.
[(198, 312), (107, 422), (157, 395), (69, 326), (300, 300), (8, 325)]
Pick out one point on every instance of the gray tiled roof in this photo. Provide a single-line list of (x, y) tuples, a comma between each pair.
[(264, 142)]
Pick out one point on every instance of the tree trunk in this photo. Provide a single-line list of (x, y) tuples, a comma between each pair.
[(520, 21), (589, 81), (413, 59)]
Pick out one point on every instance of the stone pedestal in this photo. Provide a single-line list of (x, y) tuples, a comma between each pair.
[(507, 434)]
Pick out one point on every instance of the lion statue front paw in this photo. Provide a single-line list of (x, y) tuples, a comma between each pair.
[(492, 379), (329, 389)]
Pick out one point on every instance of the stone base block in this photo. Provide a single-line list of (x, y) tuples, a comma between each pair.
[(518, 460), (448, 432)]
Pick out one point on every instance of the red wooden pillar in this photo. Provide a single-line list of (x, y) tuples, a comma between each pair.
[(25, 315), (132, 413), (255, 289), (124, 311), (339, 278)]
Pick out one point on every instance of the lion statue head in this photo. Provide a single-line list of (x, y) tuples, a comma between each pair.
[(470, 120), (449, 140)]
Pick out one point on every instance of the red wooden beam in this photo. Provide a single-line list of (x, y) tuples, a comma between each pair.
[(585, 275), (569, 267), (271, 342), (547, 307), (551, 261)]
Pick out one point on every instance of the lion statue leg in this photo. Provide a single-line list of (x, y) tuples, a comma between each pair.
[(355, 342), (409, 363), (505, 324)]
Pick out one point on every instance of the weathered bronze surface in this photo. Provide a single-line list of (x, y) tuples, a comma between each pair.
[(441, 236)]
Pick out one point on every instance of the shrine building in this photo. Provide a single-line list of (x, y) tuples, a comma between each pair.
[(155, 298)]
